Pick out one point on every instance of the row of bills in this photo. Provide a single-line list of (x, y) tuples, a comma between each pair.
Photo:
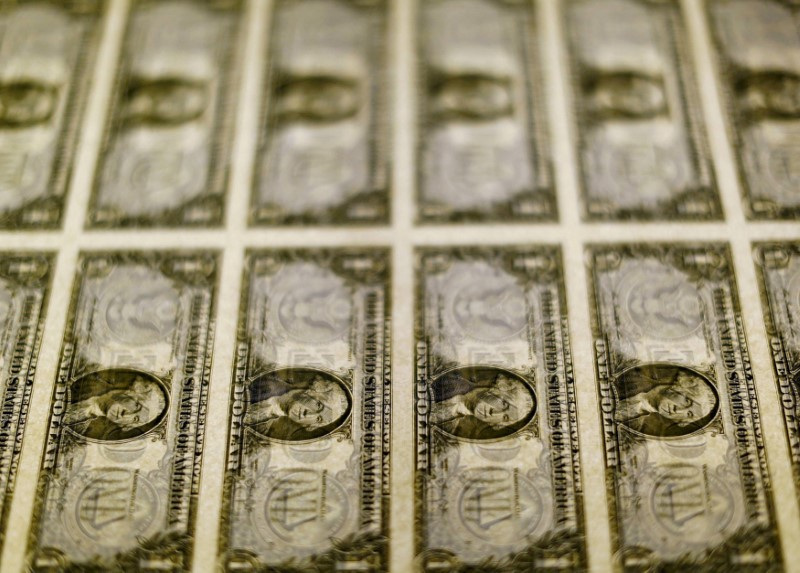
[(496, 443), (322, 155)]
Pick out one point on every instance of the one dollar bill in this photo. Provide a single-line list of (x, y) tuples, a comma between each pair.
[(483, 151), (779, 272), (322, 156), (640, 148), (758, 53), (307, 482), (686, 472), (121, 466), (47, 50), (166, 151), (24, 285), (497, 449)]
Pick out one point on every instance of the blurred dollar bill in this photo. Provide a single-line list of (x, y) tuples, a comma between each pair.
[(165, 157), (758, 48), (640, 149), (24, 284), (121, 466), (686, 467), (482, 151), (47, 49), (497, 450), (779, 273), (307, 482), (322, 155)]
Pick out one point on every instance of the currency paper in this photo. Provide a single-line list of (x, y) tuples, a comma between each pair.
[(446, 286)]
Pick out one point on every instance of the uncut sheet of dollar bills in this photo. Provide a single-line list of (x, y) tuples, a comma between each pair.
[(446, 286)]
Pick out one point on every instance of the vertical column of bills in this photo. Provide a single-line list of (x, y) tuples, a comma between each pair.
[(307, 475), (120, 468), (687, 480), (497, 455), (47, 52)]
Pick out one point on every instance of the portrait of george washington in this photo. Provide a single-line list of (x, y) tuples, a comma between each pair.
[(115, 404), (663, 400), (481, 403), (296, 404)]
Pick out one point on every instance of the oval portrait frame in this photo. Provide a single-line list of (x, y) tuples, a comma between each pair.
[(155, 424), (528, 385), (334, 427), (710, 418)]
